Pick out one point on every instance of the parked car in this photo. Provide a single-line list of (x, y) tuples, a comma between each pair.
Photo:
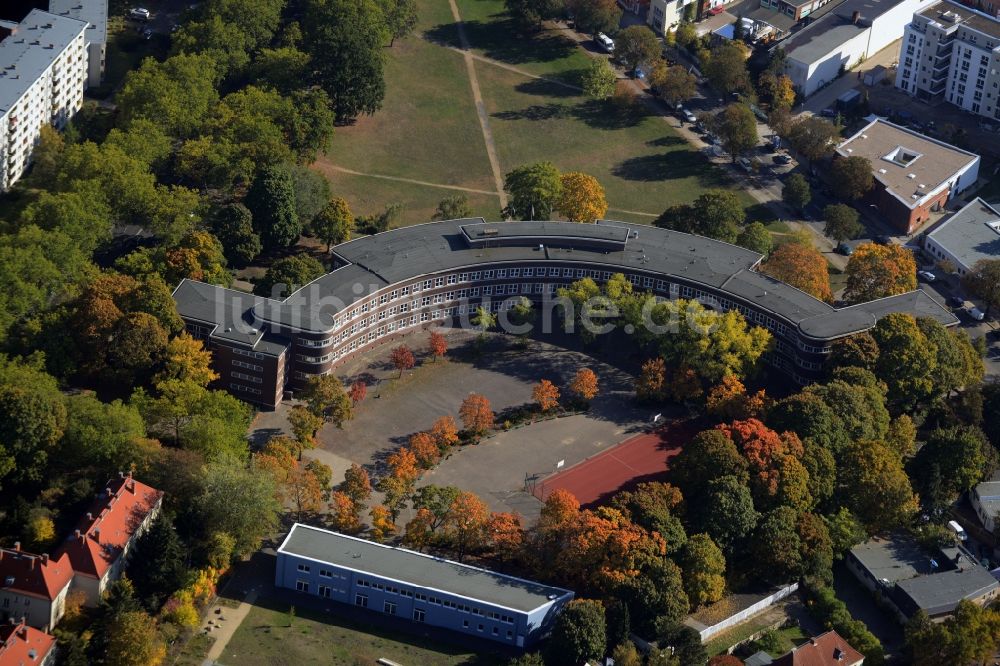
[(845, 249), (139, 13), (883, 240), (690, 117), (606, 43), (745, 164), (781, 158), (926, 276), (828, 113), (956, 301), (976, 314)]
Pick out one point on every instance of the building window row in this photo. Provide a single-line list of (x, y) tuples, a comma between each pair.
[(247, 353), (245, 389), (248, 366), (245, 377)]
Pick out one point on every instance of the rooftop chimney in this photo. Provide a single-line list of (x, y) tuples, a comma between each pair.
[(76, 533), (45, 558), (855, 17), (90, 516), (17, 545)]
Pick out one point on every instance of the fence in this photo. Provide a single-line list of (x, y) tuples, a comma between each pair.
[(709, 632)]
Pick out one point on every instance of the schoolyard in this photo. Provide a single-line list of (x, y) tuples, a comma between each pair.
[(431, 139)]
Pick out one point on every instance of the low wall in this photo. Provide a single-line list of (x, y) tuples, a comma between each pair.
[(710, 632)]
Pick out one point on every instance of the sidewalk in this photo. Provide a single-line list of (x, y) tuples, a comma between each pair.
[(222, 622)]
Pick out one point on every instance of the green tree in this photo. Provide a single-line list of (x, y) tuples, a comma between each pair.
[(656, 596), (598, 79), (225, 43), (455, 207), (859, 350), (312, 193), (726, 68), (951, 461), (851, 177), (32, 420), (326, 398), (715, 214), (841, 222), (271, 201), (776, 549), (578, 634), (813, 138), (594, 16), (83, 215), (237, 501), (756, 237), (400, 18), (983, 282), (796, 191), (737, 129), (163, 556), (529, 14), (345, 39), (533, 190), (704, 570), (811, 418), (105, 436), (727, 515), (907, 360), (176, 94), (874, 486), (675, 84), (845, 531), (283, 68), (333, 223), (958, 363), (233, 226), (708, 456), (636, 45)]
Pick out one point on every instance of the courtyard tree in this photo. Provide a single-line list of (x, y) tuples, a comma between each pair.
[(851, 177), (727, 514), (455, 207), (233, 226), (333, 223), (737, 129), (533, 191), (357, 484), (325, 396), (594, 16), (529, 14), (344, 513), (359, 390), (983, 282), (598, 79), (582, 198), (796, 191), (777, 88), (382, 525), (813, 138), (546, 395), (841, 222), (424, 447), (437, 345), (756, 237), (801, 266), (445, 432), (674, 84), (584, 385), (304, 425), (579, 634), (464, 527), (651, 383), (704, 570), (876, 489), (636, 45), (400, 18), (476, 414), (726, 68), (875, 271), (186, 359), (402, 359), (287, 274), (346, 39)]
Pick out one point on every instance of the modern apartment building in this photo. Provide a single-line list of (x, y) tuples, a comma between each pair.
[(95, 14), (390, 283), (951, 52), (43, 72), (413, 586)]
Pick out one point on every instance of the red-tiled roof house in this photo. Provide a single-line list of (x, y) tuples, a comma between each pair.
[(21, 645), (33, 587)]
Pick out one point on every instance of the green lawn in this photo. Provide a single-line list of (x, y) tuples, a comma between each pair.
[(789, 637), (265, 638)]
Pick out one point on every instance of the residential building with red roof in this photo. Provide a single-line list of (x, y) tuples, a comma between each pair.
[(33, 587), (21, 645), (827, 649), (99, 548)]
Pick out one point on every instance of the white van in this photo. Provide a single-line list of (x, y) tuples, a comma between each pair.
[(957, 529), (605, 42), (977, 314)]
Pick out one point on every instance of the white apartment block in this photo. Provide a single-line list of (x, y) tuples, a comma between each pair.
[(43, 72), (951, 52), (95, 14), (665, 15)]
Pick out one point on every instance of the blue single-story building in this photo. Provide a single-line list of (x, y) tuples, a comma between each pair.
[(417, 587)]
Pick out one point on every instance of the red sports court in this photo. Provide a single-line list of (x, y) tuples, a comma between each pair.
[(638, 459)]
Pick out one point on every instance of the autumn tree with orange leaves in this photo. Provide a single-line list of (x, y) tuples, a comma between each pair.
[(464, 528), (650, 384), (382, 525), (402, 359), (344, 513), (875, 271), (584, 384), (505, 534), (476, 414), (776, 475), (729, 400), (801, 266), (445, 432), (582, 198), (304, 491), (359, 390), (546, 395), (425, 449), (437, 345), (357, 485)]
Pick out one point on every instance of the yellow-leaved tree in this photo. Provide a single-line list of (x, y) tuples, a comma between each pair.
[(582, 198)]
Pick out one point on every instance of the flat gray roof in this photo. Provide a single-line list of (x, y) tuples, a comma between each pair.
[(941, 592), (989, 496), (968, 16), (30, 50), (971, 234), (893, 558), (93, 12), (418, 569), (833, 28), (369, 264)]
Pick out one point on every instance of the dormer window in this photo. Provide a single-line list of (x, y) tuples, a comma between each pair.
[(902, 156)]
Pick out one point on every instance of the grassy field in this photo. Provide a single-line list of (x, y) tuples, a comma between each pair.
[(265, 638), (789, 637), (428, 129)]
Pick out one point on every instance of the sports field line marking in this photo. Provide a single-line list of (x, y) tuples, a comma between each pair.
[(459, 188), (477, 96), (622, 463)]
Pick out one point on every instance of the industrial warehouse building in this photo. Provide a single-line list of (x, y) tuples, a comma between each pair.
[(416, 587)]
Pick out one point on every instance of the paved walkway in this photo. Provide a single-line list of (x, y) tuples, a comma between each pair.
[(222, 625), (477, 96)]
